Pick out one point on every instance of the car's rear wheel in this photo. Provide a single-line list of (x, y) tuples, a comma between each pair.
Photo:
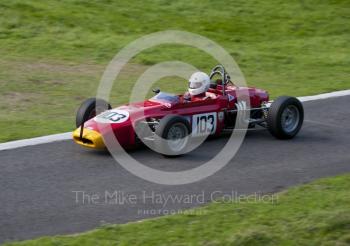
[(285, 117), (172, 135), (89, 109)]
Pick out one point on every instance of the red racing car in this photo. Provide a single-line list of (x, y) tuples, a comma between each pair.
[(210, 108)]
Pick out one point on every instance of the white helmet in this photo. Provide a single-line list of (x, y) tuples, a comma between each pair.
[(198, 83)]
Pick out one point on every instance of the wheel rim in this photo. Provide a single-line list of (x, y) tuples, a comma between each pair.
[(290, 118), (177, 137)]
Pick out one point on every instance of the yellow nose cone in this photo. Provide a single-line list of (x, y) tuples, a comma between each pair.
[(90, 138)]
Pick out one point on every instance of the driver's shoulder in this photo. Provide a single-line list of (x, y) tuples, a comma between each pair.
[(210, 95)]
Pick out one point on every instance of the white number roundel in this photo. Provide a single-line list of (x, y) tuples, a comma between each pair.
[(113, 116)]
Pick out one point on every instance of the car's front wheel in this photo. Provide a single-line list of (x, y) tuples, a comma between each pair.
[(89, 109), (172, 135), (285, 117)]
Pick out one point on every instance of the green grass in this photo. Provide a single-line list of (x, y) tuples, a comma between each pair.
[(313, 214), (53, 52)]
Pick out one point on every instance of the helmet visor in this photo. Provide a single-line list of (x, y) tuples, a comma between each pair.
[(194, 85)]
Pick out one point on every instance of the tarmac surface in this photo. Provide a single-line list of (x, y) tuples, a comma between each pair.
[(61, 188)]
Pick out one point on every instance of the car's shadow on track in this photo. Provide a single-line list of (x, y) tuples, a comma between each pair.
[(254, 139)]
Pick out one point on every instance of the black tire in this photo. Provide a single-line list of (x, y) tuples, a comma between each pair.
[(87, 110), (282, 108), (162, 134)]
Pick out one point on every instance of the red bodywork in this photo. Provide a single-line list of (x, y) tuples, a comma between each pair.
[(216, 102)]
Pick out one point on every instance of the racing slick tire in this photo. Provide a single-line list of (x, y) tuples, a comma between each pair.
[(87, 110), (172, 135), (285, 117)]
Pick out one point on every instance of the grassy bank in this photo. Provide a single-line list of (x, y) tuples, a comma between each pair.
[(314, 214), (54, 52)]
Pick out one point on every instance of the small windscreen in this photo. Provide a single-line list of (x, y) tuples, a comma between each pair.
[(164, 97)]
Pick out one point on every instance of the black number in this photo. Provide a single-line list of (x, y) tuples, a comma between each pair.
[(211, 118), (202, 124), (113, 116)]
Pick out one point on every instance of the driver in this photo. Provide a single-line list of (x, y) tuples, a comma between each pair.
[(198, 85)]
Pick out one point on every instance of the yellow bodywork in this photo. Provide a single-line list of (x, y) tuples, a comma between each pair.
[(90, 138)]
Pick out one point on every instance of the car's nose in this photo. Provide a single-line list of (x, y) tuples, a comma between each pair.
[(90, 138)]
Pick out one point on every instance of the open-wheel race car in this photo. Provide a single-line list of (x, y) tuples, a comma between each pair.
[(209, 108)]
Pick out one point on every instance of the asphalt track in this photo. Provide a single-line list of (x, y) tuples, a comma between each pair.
[(39, 183)]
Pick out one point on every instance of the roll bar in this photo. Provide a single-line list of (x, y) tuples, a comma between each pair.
[(225, 78)]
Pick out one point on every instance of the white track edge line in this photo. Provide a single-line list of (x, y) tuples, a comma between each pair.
[(35, 141), (68, 135), (325, 96)]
